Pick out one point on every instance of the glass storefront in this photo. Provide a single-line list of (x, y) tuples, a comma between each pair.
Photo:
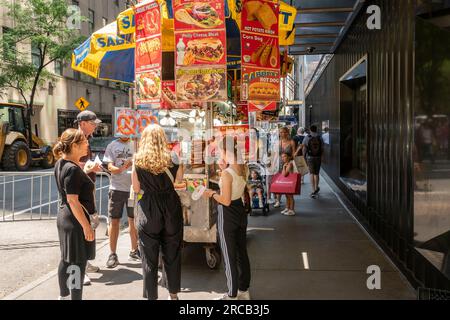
[(353, 122), (431, 152)]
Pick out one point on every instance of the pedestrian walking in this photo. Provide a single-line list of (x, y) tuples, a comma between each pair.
[(232, 221), (313, 149), (288, 167), (76, 235), (118, 157), (287, 145), (159, 218)]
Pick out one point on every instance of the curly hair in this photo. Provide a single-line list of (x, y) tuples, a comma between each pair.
[(153, 154)]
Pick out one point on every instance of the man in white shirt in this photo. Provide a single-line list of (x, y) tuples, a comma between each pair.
[(118, 156)]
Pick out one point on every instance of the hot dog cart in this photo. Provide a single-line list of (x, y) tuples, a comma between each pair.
[(186, 130)]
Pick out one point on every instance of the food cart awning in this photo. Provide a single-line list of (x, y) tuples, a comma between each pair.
[(106, 55)]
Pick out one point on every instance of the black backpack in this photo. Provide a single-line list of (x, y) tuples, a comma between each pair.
[(314, 147)]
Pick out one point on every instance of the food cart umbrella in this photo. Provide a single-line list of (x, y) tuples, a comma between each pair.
[(440, 243), (106, 55)]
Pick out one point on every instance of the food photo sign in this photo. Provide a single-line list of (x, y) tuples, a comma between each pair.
[(260, 50), (148, 53), (200, 50), (130, 123)]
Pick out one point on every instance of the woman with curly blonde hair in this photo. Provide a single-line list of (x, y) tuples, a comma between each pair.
[(159, 219)]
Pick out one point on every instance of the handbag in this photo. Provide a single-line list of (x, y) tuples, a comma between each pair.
[(291, 184), (301, 164)]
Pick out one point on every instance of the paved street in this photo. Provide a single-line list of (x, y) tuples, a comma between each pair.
[(321, 253)]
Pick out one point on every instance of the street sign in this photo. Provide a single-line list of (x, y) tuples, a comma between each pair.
[(82, 104), (294, 102)]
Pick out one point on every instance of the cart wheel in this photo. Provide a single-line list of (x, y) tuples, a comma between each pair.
[(212, 258)]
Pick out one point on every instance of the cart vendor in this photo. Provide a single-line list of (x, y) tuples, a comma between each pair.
[(159, 219), (232, 220)]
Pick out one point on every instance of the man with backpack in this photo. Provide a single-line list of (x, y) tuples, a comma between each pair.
[(313, 150)]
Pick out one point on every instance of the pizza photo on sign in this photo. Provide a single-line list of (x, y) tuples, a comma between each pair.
[(199, 14), (148, 85), (200, 87), (209, 50)]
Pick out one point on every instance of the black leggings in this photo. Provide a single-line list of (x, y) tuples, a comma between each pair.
[(76, 272)]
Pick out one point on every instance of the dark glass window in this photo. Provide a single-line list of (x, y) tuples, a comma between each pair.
[(353, 104), (58, 67), (91, 21), (35, 55), (431, 152)]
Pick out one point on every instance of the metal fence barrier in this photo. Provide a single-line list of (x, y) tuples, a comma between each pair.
[(34, 195)]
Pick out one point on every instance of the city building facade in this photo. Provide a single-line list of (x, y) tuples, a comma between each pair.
[(54, 109)]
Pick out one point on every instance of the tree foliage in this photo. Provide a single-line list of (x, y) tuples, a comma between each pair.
[(43, 25)]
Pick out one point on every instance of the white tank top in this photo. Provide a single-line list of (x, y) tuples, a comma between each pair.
[(237, 185)]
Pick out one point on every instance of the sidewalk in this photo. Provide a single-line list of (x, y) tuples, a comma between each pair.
[(322, 237)]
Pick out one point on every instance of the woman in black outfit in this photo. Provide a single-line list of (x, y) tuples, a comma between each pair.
[(76, 236), (159, 219), (232, 220)]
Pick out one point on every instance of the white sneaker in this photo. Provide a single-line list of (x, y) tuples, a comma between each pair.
[(277, 204), (86, 281), (284, 211), (64, 298), (289, 213), (243, 295), (91, 268), (226, 297)]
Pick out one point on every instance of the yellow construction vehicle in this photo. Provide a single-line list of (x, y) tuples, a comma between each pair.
[(15, 152)]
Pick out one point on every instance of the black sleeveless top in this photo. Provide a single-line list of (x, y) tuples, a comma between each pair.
[(151, 183)]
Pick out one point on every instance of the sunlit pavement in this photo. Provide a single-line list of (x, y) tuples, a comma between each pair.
[(321, 253)]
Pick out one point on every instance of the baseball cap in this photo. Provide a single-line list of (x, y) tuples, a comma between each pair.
[(88, 116)]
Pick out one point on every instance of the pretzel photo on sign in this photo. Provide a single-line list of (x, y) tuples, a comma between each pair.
[(126, 124), (145, 120)]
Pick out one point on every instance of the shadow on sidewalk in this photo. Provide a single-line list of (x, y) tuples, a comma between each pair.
[(117, 276)]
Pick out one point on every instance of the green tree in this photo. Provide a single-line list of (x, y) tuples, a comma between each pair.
[(41, 25)]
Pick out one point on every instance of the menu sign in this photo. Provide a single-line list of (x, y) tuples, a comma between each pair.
[(148, 53), (200, 50), (261, 85), (201, 84), (130, 122), (198, 15), (169, 100), (261, 106), (260, 50)]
